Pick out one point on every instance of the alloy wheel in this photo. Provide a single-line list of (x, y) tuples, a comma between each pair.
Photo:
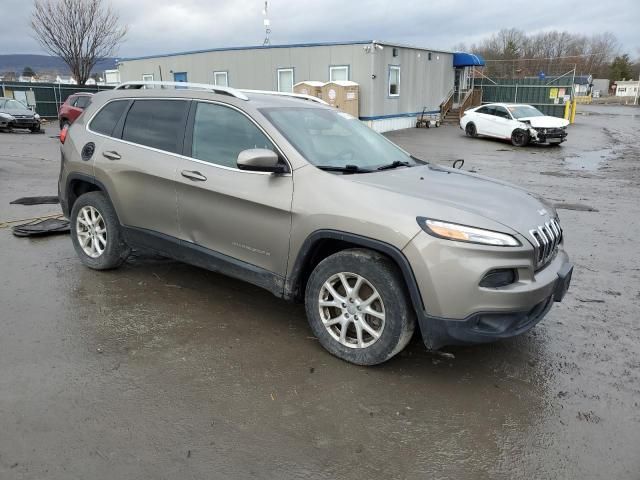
[(91, 231), (351, 310)]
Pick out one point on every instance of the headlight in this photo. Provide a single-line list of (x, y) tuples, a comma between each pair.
[(6, 116), (36, 116), (463, 233)]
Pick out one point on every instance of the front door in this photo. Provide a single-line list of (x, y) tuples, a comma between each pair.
[(501, 123), (240, 214)]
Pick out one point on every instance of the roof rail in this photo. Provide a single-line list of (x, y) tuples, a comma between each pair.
[(193, 86), (287, 94)]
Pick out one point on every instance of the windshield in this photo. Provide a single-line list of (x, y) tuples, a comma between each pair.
[(331, 138), (525, 111), (14, 105)]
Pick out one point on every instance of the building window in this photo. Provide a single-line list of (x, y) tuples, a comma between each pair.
[(285, 80), (394, 81), (147, 77), (339, 73), (221, 79), (622, 90)]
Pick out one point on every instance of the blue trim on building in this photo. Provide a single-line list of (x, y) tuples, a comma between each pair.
[(399, 115), (462, 59), (255, 47)]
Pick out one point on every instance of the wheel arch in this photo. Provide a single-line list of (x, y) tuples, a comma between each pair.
[(77, 185), (323, 243)]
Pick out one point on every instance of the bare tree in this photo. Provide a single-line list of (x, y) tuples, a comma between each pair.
[(512, 53), (81, 32)]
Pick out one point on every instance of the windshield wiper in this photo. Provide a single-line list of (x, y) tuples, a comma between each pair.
[(394, 164), (343, 169)]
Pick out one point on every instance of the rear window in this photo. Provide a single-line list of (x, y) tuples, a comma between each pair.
[(83, 101), (107, 118), (156, 123)]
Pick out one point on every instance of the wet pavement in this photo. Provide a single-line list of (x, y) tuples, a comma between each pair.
[(161, 370)]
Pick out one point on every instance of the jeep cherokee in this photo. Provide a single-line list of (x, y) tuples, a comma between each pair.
[(289, 194)]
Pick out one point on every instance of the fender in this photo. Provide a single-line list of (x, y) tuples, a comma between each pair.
[(64, 197), (291, 289)]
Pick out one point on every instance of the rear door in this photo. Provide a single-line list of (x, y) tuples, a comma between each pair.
[(240, 214), (138, 164)]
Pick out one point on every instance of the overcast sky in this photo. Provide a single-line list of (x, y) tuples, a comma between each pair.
[(161, 26)]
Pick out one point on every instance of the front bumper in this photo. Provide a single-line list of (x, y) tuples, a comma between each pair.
[(549, 135), (458, 311), (24, 123)]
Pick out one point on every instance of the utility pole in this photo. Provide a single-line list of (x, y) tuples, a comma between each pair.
[(267, 25)]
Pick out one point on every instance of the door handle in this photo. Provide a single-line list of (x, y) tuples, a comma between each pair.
[(111, 155), (193, 175)]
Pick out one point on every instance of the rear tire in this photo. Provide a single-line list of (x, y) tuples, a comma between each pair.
[(367, 324), (96, 234), (470, 130), (520, 138)]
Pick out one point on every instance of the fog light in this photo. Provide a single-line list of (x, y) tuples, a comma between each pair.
[(499, 278)]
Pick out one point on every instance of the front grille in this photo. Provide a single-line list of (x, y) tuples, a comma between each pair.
[(545, 239)]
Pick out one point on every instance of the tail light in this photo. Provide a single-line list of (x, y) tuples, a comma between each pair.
[(63, 134)]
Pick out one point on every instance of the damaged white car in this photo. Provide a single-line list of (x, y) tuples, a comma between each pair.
[(519, 124)]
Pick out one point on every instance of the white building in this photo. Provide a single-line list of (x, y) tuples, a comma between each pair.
[(627, 88)]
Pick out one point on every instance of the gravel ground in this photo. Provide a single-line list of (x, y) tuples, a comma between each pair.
[(162, 370)]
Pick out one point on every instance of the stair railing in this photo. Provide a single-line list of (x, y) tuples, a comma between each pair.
[(471, 99), (446, 105)]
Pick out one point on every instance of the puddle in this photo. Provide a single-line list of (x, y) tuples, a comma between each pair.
[(589, 160)]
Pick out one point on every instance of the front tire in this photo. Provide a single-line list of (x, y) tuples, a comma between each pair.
[(96, 234), (358, 308), (470, 130), (520, 138)]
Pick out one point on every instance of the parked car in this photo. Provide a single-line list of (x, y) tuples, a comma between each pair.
[(289, 194), (15, 114), (72, 107), (520, 124)]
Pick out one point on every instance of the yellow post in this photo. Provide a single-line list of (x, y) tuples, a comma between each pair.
[(567, 110), (573, 110)]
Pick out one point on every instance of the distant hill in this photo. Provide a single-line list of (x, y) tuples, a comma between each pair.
[(45, 63)]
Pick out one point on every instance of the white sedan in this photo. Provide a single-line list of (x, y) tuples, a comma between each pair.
[(520, 124)]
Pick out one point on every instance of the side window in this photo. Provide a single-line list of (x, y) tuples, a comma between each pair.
[(107, 118), (221, 133), (394, 81), (285, 80), (502, 113), (83, 101), (338, 73), (72, 101), (221, 79), (484, 110), (156, 123)]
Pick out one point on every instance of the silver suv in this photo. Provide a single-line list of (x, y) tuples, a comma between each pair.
[(307, 202)]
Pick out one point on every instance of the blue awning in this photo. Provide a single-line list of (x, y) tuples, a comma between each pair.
[(461, 59)]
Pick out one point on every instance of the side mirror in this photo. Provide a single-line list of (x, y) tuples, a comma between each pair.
[(260, 160)]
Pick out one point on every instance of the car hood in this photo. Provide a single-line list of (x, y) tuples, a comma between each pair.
[(17, 111), (438, 187), (545, 122)]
